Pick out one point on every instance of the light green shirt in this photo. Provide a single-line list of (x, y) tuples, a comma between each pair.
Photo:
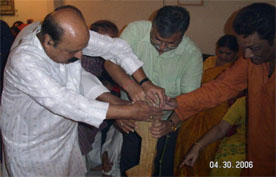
[(177, 71)]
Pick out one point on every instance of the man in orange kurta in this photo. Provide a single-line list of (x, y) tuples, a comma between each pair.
[(256, 72)]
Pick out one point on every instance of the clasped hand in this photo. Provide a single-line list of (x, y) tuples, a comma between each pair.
[(159, 127)]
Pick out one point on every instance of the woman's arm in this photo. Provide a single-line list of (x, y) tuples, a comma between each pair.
[(211, 136)]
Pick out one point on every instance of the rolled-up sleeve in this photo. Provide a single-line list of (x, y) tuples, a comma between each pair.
[(92, 87), (113, 49)]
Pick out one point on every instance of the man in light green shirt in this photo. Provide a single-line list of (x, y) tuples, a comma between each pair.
[(177, 71), (171, 61)]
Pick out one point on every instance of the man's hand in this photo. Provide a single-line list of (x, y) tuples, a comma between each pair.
[(126, 125), (191, 156), (160, 128), (170, 104), (136, 92), (155, 94), (143, 111)]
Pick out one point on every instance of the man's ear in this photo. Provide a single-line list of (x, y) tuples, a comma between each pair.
[(48, 41)]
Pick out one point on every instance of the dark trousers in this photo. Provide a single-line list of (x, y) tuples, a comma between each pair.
[(164, 161)]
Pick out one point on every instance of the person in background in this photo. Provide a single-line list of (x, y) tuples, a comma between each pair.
[(173, 62), (6, 39), (231, 149), (29, 21), (226, 54), (227, 49), (42, 101), (6, 43), (15, 27), (255, 29), (90, 136)]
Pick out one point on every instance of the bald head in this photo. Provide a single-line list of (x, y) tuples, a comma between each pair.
[(65, 33), (65, 21)]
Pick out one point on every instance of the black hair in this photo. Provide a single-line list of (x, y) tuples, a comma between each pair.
[(17, 23), (51, 27), (29, 21), (257, 17), (15, 26), (228, 41), (170, 20), (105, 26)]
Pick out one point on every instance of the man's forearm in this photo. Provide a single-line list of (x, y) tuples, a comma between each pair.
[(145, 90), (118, 75), (108, 97)]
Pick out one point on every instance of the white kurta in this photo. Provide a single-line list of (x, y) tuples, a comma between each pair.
[(41, 104)]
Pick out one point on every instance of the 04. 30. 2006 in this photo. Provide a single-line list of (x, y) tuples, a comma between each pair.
[(229, 164)]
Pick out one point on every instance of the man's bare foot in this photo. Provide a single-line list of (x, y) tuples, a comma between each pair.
[(104, 175), (97, 168), (106, 164)]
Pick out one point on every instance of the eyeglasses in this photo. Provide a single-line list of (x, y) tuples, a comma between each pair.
[(157, 43)]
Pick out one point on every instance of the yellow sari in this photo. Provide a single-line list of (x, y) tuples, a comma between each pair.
[(196, 126)]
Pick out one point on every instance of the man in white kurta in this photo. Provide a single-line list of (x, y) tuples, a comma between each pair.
[(41, 105)]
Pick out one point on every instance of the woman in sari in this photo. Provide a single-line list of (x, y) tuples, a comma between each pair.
[(230, 157), (196, 126)]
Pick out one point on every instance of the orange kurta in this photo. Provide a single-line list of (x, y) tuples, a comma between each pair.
[(261, 109)]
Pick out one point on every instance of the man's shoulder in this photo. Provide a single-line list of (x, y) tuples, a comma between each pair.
[(136, 31), (187, 45), (142, 23), (28, 53), (20, 57)]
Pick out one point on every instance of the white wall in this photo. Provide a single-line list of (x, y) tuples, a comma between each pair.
[(207, 21)]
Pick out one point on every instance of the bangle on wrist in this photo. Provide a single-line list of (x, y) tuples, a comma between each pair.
[(143, 81), (198, 144)]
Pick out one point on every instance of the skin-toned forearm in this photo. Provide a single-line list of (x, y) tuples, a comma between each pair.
[(118, 73), (114, 111), (214, 134), (121, 109), (139, 75), (146, 92), (139, 110), (119, 112), (108, 97), (120, 76)]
